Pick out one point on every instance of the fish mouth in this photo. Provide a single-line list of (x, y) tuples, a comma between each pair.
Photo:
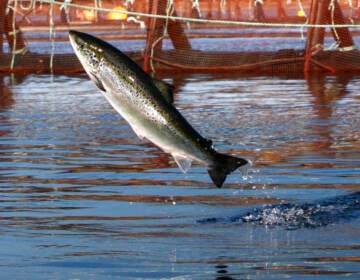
[(72, 33), (76, 41), (73, 36)]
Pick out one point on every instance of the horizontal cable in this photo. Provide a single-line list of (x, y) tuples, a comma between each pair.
[(199, 20)]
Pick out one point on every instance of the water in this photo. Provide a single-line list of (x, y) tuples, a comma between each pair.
[(83, 198)]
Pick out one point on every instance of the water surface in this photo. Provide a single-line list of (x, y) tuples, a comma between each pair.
[(83, 198)]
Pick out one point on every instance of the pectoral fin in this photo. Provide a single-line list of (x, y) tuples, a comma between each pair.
[(97, 82), (184, 163), (166, 90)]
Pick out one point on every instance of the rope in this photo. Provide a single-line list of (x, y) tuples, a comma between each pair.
[(28, 7), (301, 7), (196, 6), (247, 66), (336, 35), (52, 37), (222, 6), (169, 11), (13, 55), (351, 10), (210, 21)]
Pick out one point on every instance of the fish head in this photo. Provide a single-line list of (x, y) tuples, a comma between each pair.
[(89, 51)]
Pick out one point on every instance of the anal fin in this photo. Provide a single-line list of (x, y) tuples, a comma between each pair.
[(184, 163)]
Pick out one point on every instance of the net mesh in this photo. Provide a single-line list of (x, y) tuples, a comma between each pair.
[(185, 35)]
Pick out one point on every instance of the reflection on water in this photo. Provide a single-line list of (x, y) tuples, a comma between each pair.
[(83, 198)]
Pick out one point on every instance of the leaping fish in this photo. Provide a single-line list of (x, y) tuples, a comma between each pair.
[(146, 104)]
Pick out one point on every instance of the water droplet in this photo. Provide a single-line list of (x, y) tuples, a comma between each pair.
[(244, 170)]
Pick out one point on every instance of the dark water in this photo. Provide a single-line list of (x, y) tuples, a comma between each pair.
[(83, 198)]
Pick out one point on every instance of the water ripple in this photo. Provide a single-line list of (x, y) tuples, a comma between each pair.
[(297, 215)]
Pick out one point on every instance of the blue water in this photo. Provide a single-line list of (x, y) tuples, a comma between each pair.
[(83, 198)]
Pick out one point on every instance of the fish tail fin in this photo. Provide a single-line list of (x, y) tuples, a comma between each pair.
[(224, 165)]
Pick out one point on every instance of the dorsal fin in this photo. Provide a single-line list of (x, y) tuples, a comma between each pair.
[(166, 90)]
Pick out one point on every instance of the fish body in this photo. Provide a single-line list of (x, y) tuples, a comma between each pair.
[(146, 104)]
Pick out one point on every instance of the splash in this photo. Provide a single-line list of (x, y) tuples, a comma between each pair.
[(306, 215)]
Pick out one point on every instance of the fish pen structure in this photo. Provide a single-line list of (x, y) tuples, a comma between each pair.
[(259, 36)]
